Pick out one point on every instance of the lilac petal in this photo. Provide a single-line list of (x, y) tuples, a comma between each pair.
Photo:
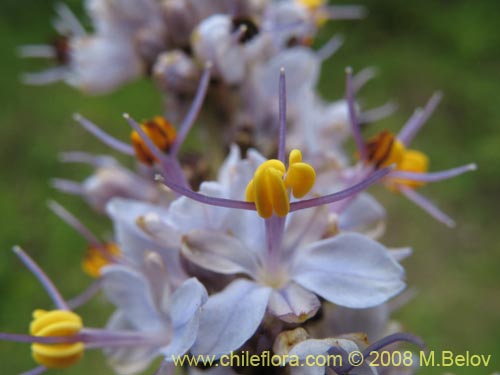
[(193, 111), (67, 22), (185, 311), (219, 253), (128, 360), (363, 77), (43, 51), (332, 46), (104, 137), (433, 176), (130, 292), (87, 158), (231, 317), (343, 194), (46, 77), (378, 113), (363, 212), (293, 304), (187, 214), (350, 270), (187, 301), (346, 12), (304, 227), (372, 321), (426, 205), (413, 126), (67, 186), (356, 129), (47, 284), (132, 239), (401, 254), (318, 347)]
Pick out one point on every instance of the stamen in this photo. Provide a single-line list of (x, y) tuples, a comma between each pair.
[(311, 4), (161, 132), (42, 277), (103, 136), (76, 224), (36, 371), (268, 188), (85, 296), (433, 176), (356, 130), (300, 176), (56, 323), (418, 119), (282, 116), (411, 161), (190, 118), (343, 194), (384, 150), (98, 257)]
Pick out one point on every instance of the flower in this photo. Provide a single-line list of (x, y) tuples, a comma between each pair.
[(146, 324), (410, 165), (286, 258)]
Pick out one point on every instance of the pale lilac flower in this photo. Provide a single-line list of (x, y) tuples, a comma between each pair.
[(406, 176), (286, 260), (149, 322)]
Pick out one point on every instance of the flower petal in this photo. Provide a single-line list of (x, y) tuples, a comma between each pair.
[(293, 304), (362, 213), (128, 360), (350, 270), (185, 313), (219, 253), (130, 292), (231, 317)]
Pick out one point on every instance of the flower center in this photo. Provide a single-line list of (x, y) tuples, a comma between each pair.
[(270, 186), (160, 131), (56, 323)]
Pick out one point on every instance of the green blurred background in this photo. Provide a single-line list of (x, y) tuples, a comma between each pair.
[(418, 46)]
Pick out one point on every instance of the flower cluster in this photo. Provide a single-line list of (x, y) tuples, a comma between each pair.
[(276, 251)]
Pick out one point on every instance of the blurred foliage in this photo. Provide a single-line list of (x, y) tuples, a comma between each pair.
[(418, 47)]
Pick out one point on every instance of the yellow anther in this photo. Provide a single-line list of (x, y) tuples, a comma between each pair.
[(385, 149), (97, 258), (161, 132), (268, 188), (412, 161), (56, 323), (311, 4), (300, 176)]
